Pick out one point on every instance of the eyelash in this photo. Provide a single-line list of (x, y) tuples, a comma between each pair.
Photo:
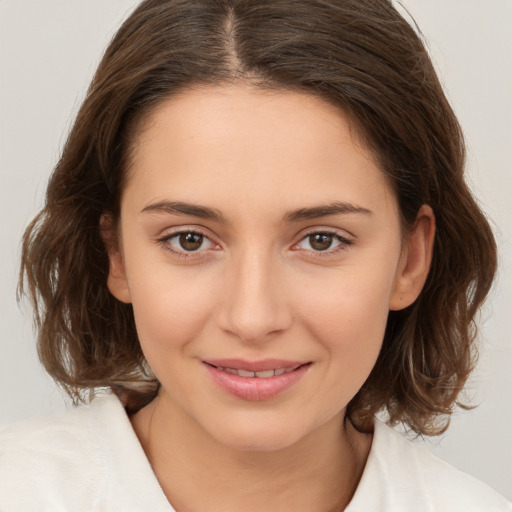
[(344, 243), (165, 243)]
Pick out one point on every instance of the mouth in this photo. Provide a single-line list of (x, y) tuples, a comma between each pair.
[(256, 381), (262, 374)]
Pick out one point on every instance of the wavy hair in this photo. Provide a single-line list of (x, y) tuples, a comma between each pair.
[(359, 55)]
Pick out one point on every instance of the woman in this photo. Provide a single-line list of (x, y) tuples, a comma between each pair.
[(258, 236)]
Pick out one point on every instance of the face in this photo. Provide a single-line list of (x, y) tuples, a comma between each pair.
[(261, 249)]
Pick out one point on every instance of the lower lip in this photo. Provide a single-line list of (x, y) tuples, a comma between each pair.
[(256, 388)]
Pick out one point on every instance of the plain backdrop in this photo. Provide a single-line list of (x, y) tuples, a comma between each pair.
[(48, 52)]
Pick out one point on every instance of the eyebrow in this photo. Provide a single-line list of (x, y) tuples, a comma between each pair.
[(181, 208), (314, 212), (204, 212)]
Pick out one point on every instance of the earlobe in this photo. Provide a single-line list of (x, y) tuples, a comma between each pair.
[(415, 260), (116, 281)]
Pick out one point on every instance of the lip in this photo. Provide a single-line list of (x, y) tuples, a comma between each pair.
[(254, 366), (255, 389)]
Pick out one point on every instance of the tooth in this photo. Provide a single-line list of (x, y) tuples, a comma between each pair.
[(245, 373), (279, 371), (232, 371), (265, 374)]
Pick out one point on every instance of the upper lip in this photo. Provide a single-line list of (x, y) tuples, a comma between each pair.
[(254, 366)]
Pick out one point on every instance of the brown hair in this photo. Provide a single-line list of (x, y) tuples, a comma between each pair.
[(360, 55)]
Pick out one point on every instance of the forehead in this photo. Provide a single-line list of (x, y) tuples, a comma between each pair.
[(199, 110), (210, 142)]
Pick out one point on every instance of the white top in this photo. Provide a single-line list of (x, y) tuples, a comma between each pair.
[(90, 460)]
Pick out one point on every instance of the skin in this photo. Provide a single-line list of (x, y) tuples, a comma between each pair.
[(258, 288)]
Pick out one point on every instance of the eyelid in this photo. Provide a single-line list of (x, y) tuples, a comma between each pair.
[(342, 233), (164, 239), (341, 236), (328, 229)]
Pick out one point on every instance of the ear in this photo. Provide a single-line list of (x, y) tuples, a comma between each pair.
[(415, 260), (116, 281)]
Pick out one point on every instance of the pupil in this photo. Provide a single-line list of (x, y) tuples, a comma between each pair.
[(191, 241), (320, 241)]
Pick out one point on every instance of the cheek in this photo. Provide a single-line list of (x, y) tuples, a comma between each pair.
[(349, 316), (349, 323), (170, 308)]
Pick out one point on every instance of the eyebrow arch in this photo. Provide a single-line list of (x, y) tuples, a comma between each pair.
[(315, 212), (181, 208)]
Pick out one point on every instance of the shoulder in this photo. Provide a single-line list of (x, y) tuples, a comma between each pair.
[(402, 475), (60, 455), (88, 458)]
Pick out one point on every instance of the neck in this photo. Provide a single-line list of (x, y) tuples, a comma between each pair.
[(320, 472)]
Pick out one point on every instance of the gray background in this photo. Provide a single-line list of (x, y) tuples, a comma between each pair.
[(48, 52)]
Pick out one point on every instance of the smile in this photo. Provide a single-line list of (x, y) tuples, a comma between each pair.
[(265, 374), (256, 381)]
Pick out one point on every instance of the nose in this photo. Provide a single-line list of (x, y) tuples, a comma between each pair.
[(255, 304)]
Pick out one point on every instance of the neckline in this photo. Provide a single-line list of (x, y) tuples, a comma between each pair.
[(127, 458)]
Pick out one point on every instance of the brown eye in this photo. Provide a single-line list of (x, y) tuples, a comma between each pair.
[(320, 241), (191, 241), (324, 243), (186, 243)]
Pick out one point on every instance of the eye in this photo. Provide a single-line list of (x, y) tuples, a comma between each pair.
[(324, 241), (187, 242)]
